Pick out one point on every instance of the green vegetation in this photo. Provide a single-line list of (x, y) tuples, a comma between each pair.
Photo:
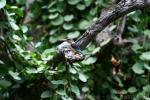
[(29, 34)]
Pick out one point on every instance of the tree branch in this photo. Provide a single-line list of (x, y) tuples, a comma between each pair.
[(108, 15)]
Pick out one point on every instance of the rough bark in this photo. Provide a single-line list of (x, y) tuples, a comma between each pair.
[(108, 15)]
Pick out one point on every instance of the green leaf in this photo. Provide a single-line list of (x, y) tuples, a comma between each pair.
[(88, 2), (20, 1), (68, 18), (96, 50), (136, 47), (146, 98), (58, 82), (48, 54), (138, 68), (4, 83), (73, 2), (123, 91), (1, 62), (133, 29), (73, 35), (66, 98), (90, 60), (80, 7), (46, 94), (31, 70), (61, 92), (53, 39), (93, 11), (16, 37), (84, 24), (15, 75), (53, 16), (75, 90), (17, 11), (24, 28), (147, 32), (2, 3), (132, 90), (117, 78), (85, 89), (146, 88), (82, 77), (72, 70), (14, 26), (67, 26), (147, 67), (52, 10), (58, 21), (105, 42), (145, 56)]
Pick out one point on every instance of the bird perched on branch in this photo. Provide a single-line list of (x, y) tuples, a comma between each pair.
[(70, 50)]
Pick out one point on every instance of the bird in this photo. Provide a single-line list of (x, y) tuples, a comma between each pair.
[(70, 50)]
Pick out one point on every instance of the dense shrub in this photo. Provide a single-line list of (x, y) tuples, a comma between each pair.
[(29, 34)]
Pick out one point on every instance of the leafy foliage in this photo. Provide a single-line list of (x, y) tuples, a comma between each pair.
[(31, 33)]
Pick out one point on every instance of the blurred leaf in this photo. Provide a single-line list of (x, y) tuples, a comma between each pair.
[(46, 94), (96, 50), (16, 37), (14, 26), (24, 28), (75, 90), (93, 11), (4, 83), (82, 77), (53, 16), (136, 47), (68, 18), (147, 67), (147, 32), (20, 1), (73, 2), (138, 68), (146, 98), (146, 88), (83, 25), (61, 92), (145, 56), (47, 54), (15, 75), (90, 60), (17, 10), (81, 7), (105, 42), (58, 82), (53, 39), (2, 3), (1, 62), (132, 90), (67, 26), (72, 70), (66, 98), (31, 70), (52, 10), (73, 35), (133, 29), (85, 89), (88, 2), (58, 21), (123, 91), (118, 79)]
